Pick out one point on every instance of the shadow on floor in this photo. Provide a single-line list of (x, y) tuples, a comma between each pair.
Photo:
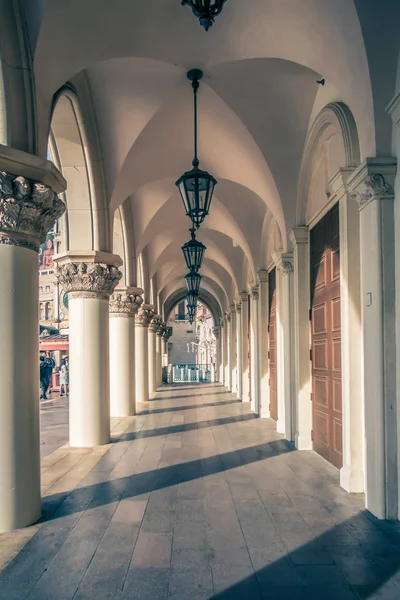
[(157, 411), (171, 429), (176, 396), (359, 558), (99, 494)]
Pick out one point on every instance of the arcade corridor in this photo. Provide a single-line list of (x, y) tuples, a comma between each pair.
[(197, 498)]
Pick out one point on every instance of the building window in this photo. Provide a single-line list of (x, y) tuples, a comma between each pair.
[(47, 289), (41, 289), (49, 312), (42, 312)]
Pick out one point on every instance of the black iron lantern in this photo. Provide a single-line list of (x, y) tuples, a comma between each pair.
[(205, 10), (192, 299), (193, 252), (196, 186), (193, 281), (191, 312)]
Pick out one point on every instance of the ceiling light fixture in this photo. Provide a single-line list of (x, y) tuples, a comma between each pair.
[(196, 186), (205, 10), (193, 251), (193, 281)]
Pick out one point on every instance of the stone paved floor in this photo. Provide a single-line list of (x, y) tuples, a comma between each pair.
[(196, 499)]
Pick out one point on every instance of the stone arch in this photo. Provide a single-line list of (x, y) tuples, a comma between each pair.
[(86, 220), (335, 119), (204, 296)]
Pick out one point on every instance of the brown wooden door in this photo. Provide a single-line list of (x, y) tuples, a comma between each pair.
[(273, 387), (326, 338)]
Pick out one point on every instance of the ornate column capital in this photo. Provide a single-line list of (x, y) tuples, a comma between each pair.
[(155, 324), (162, 329), (283, 262), (373, 180), (125, 302), (244, 297), (262, 276), (216, 332), (90, 275), (167, 333), (299, 235), (144, 315), (238, 308), (255, 292), (28, 210)]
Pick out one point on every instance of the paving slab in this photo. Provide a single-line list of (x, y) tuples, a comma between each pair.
[(194, 498)]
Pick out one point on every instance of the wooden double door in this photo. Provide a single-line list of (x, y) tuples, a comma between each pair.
[(326, 338)]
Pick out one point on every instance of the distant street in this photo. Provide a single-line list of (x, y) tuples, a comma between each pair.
[(53, 423)]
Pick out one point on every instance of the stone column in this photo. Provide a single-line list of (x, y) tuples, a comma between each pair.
[(372, 186), (244, 327), (142, 321), (223, 352), (302, 405), (233, 346), (28, 210), (285, 342), (228, 369), (264, 360), (89, 278), (352, 471), (167, 334), (159, 353), (154, 326), (124, 305), (239, 351), (218, 361), (255, 349)]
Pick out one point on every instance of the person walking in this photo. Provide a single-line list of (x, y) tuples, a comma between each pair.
[(64, 377), (47, 365)]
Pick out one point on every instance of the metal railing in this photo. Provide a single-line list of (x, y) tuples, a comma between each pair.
[(191, 373)]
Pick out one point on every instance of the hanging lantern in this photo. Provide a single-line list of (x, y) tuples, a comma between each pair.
[(191, 299), (193, 281), (205, 10), (196, 186), (193, 251)]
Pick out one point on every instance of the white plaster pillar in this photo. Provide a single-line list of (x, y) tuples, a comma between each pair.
[(124, 305), (159, 353), (302, 405), (285, 343), (223, 353), (352, 471), (89, 278), (255, 349), (244, 327), (27, 212), (142, 321), (233, 346), (218, 358), (228, 370), (264, 361), (372, 186), (154, 326), (239, 351)]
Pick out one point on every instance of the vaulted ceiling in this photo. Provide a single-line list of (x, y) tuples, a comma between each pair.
[(259, 95)]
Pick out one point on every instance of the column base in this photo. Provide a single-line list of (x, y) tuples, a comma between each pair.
[(351, 480), (303, 442)]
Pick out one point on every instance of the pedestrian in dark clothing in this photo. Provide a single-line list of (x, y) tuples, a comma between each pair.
[(47, 365)]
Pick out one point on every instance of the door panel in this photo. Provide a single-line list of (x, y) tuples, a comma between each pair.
[(326, 338), (273, 387)]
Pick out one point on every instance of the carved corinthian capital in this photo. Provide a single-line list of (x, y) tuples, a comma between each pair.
[(162, 329), (167, 333), (88, 280), (144, 316), (216, 332), (124, 304), (373, 187), (28, 210), (155, 324)]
